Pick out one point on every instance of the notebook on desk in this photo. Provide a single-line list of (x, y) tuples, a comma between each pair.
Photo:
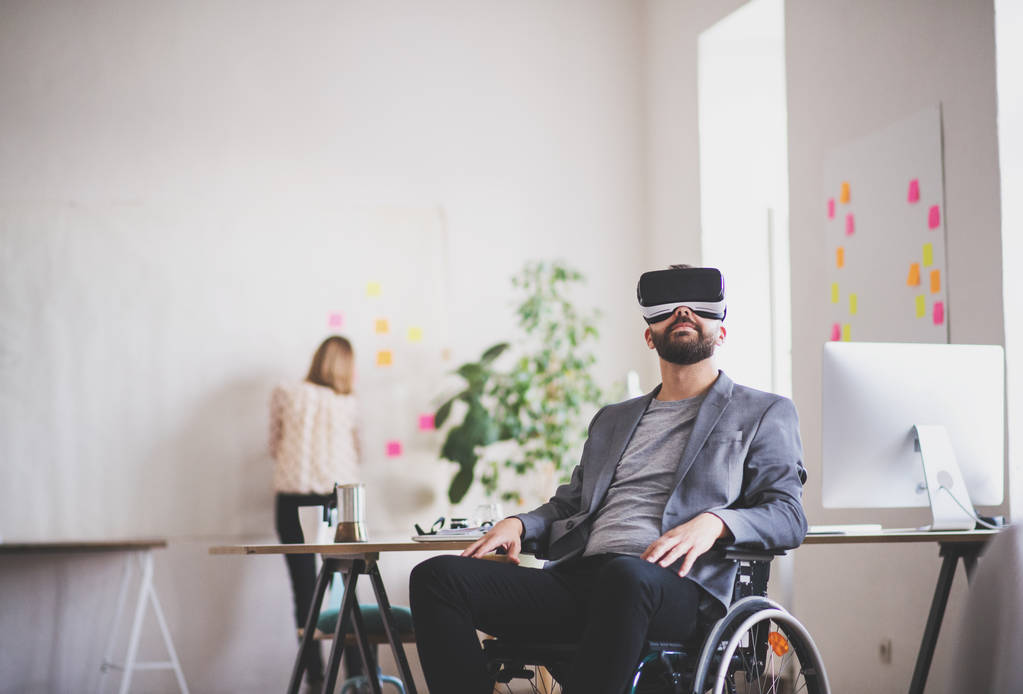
[(844, 529), (449, 535)]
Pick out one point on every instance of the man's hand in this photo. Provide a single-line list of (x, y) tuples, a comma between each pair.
[(506, 534), (691, 539)]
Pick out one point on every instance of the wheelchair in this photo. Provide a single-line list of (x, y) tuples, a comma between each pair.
[(757, 646)]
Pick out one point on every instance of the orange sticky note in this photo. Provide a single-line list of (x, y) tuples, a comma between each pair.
[(384, 357), (921, 306), (913, 280), (834, 292), (846, 332), (939, 312), (935, 281), (852, 304), (844, 196), (840, 257), (381, 325), (928, 254)]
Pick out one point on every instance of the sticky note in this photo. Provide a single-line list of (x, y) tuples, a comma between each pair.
[(836, 332), (372, 289), (445, 354), (426, 422), (393, 449), (846, 332), (921, 306), (913, 280), (831, 208), (415, 334), (852, 304), (933, 217), (935, 281), (850, 225), (839, 257), (381, 326), (844, 196), (834, 292), (914, 191), (384, 357), (939, 312), (335, 320), (928, 255)]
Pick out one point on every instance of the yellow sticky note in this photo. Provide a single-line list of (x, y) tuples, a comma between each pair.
[(840, 257), (928, 255), (852, 304), (384, 357), (415, 334), (913, 279), (846, 332), (381, 326), (834, 292), (844, 196), (372, 289), (921, 306), (935, 281)]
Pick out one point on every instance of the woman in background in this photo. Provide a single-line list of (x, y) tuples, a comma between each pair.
[(314, 443)]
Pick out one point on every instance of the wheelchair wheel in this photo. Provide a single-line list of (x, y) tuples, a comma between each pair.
[(762, 650)]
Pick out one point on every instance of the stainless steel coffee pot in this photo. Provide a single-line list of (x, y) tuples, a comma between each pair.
[(351, 513)]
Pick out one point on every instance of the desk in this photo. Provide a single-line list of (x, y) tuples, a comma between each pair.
[(137, 549), (953, 546), (353, 559)]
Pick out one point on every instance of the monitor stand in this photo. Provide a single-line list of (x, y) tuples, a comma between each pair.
[(943, 479)]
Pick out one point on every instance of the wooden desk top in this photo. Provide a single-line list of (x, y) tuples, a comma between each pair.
[(900, 536), (74, 546), (340, 549)]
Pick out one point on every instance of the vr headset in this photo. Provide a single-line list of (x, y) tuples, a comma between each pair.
[(701, 289)]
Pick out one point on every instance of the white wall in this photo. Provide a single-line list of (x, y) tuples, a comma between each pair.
[(524, 123), (852, 69)]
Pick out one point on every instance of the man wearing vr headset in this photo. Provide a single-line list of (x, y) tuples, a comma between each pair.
[(662, 477)]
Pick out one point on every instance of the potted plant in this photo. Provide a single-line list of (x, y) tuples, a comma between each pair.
[(538, 407)]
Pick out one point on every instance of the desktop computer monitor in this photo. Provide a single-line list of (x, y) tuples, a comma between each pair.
[(876, 397)]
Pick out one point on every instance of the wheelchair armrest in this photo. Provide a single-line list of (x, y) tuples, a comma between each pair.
[(740, 553)]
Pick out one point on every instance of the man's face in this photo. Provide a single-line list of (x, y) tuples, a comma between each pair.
[(684, 338)]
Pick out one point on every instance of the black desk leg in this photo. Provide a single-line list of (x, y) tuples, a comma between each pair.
[(310, 627), (348, 602), (952, 552), (393, 635), (369, 665)]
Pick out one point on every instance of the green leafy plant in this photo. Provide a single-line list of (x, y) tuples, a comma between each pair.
[(540, 403)]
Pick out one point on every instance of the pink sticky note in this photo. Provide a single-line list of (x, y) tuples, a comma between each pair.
[(426, 422), (914, 191), (393, 449), (850, 225), (831, 208), (939, 312), (933, 217), (335, 320), (836, 332)]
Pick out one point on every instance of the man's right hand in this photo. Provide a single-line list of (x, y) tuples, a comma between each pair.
[(506, 534)]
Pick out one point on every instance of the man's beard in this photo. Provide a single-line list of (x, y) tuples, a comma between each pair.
[(682, 350)]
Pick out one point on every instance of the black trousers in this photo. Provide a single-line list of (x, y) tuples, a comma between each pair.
[(609, 604)]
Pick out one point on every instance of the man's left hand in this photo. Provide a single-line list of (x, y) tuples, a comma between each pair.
[(692, 538)]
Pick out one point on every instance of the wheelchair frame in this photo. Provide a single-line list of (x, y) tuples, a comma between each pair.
[(725, 650)]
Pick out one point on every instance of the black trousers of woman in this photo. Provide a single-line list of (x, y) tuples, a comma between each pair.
[(608, 603), (302, 571)]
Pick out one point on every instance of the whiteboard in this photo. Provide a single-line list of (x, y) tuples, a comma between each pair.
[(883, 217), (139, 345)]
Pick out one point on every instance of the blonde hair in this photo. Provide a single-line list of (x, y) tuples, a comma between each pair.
[(333, 365)]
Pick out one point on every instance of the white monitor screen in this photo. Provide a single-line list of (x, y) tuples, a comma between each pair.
[(872, 396)]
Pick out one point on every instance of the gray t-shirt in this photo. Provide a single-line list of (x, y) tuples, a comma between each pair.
[(630, 517)]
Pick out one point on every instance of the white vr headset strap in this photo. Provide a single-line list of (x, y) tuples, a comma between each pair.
[(705, 306)]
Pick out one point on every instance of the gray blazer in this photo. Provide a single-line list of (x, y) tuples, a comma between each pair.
[(743, 463)]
